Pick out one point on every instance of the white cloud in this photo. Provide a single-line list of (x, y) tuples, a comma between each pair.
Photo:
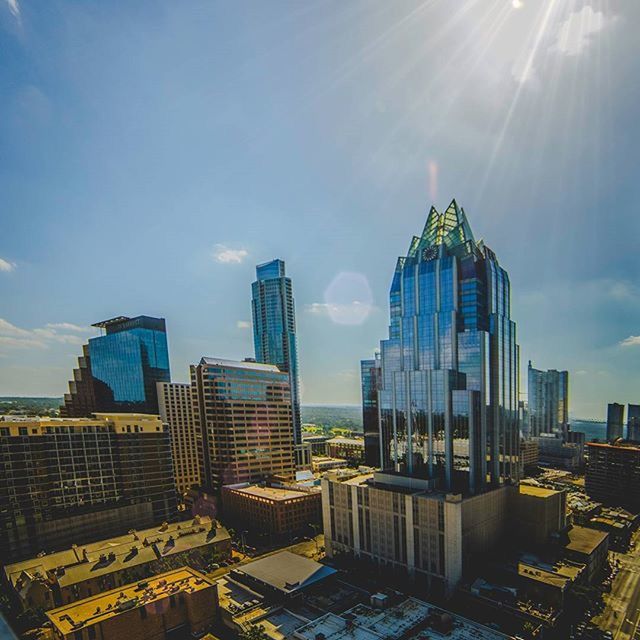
[(243, 324), (577, 31), (6, 266), (355, 312), (14, 7), (39, 338), (631, 341), (226, 255), (67, 326)]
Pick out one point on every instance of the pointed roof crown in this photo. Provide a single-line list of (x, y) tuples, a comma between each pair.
[(450, 228)]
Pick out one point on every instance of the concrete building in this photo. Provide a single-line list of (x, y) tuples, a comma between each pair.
[(282, 512), (317, 442), (73, 480), (539, 514), (529, 455), (555, 451), (81, 571), (613, 474), (589, 547), (175, 403), (633, 423), (615, 421), (350, 449), (304, 456), (401, 523), (321, 464), (548, 404), (242, 412), (170, 605)]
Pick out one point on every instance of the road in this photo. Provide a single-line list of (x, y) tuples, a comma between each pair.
[(621, 614)]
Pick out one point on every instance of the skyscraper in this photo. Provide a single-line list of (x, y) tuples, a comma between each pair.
[(633, 423), (242, 414), (73, 480), (370, 383), (274, 328), (118, 370), (615, 421), (548, 401), (449, 387)]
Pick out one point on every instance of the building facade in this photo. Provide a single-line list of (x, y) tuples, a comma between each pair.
[(548, 401), (70, 480), (370, 384), (176, 410), (242, 414), (615, 421), (633, 422), (118, 370), (176, 604), (613, 474), (274, 329), (350, 449)]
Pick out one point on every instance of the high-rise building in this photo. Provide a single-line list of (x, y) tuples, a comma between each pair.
[(72, 480), (274, 329), (548, 401), (448, 426), (176, 410), (449, 383), (613, 474), (615, 421), (633, 423), (242, 414), (370, 384), (118, 370)]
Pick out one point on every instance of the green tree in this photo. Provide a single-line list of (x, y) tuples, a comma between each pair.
[(254, 632)]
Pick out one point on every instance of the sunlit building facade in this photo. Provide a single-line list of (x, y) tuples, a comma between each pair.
[(118, 370), (548, 401), (370, 383), (615, 421), (633, 423), (448, 397), (274, 329)]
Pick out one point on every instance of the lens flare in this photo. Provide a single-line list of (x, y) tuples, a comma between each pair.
[(348, 298)]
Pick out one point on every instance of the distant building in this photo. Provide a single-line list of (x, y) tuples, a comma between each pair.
[(555, 451), (242, 411), (615, 421), (178, 603), (529, 456), (317, 442), (326, 463), (63, 577), (176, 410), (613, 474), (281, 512), (118, 371), (350, 449), (72, 480), (548, 404), (304, 456), (633, 423), (274, 329), (370, 384)]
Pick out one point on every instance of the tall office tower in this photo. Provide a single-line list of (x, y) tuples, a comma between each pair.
[(73, 480), (118, 370), (548, 401), (370, 383), (448, 405), (242, 413), (176, 410), (633, 423), (274, 329), (615, 421), (449, 388)]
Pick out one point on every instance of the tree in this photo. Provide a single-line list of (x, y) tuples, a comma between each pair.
[(254, 632)]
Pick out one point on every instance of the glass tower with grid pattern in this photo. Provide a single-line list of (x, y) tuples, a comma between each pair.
[(448, 392), (274, 328)]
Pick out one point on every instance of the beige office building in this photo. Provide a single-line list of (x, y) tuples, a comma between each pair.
[(175, 405)]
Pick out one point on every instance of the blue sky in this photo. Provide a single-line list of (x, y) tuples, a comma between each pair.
[(151, 153)]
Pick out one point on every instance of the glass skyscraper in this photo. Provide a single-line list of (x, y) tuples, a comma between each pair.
[(274, 328), (119, 369), (548, 401), (448, 396)]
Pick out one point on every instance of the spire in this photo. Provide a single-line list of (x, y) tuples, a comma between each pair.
[(450, 228)]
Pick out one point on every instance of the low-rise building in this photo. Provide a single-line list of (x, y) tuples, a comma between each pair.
[(169, 605), (590, 547), (613, 474), (554, 450), (350, 449), (324, 463), (618, 523), (528, 455), (82, 571), (539, 513), (317, 441), (304, 456), (281, 512)]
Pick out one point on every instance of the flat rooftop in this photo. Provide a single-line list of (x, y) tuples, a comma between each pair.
[(356, 442), (240, 364), (108, 604), (409, 618), (538, 492), (285, 571), (277, 494), (584, 539)]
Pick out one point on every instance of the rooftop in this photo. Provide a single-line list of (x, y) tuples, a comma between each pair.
[(240, 364), (584, 539), (409, 618), (108, 604), (276, 494), (356, 442), (285, 571), (538, 492)]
